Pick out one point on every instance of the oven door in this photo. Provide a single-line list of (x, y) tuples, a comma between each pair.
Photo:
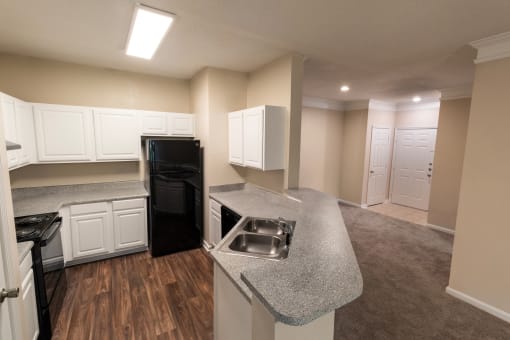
[(53, 269)]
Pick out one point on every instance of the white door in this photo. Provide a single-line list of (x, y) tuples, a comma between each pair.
[(253, 137), (129, 228), (379, 168), (29, 306), (412, 167), (235, 137), (64, 133), (182, 124), (215, 226), (117, 134), (25, 131), (5, 320), (154, 123), (10, 130), (89, 234)]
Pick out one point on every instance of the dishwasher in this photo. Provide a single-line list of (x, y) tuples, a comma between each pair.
[(229, 219)]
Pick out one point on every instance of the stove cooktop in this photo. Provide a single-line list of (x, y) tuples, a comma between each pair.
[(31, 228)]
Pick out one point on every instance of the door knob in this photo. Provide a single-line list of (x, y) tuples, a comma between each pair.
[(429, 175), (371, 171), (8, 294)]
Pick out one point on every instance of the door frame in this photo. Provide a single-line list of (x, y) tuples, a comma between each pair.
[(394, 155), (8, 243), (390, 170)]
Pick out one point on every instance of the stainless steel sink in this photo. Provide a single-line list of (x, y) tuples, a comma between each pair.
[(260, 237)]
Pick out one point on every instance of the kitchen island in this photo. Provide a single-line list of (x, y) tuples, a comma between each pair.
[(293, 298)]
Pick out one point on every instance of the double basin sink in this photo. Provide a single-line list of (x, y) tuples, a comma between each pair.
[(260, 237)]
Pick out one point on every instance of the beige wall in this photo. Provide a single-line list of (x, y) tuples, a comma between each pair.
[(380, 119), (448, 159), (481, 253), (353, 155), (421, 118), (279, 83), (46, 81), (321, 150)]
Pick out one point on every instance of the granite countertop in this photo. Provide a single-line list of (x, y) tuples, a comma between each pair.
[(321, 272), (31, 201), (24, 249)]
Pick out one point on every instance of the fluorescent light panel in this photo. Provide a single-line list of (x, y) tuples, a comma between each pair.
[(148, 28)]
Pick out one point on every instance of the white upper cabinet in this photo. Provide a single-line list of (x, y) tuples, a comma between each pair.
[(259, 133), (7, 106), (154, 123), (181, 124), (64, 133), (117, 134), (25, 132), (235, 137)]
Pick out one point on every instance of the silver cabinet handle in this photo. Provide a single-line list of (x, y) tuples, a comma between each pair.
[(8, 294)]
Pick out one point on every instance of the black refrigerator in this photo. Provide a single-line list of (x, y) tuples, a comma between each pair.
[(176, 180)]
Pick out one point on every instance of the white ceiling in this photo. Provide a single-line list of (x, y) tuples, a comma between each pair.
[(387, 50)]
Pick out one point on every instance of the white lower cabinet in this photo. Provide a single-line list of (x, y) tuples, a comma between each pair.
[(102, 229), (214, 222), (28, 300)]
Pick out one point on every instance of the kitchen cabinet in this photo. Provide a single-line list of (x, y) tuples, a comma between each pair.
[(28, 299), (154, 123), (259, 132), (7, 105), (214, 222), (90, 229), (117, 134), (130, 223), (181, 125), (235, 137), (64, 133), (25, 132)]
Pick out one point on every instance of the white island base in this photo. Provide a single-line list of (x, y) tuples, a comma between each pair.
[(236, 317)]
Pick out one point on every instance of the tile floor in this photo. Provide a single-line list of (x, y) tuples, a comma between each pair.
[(401, 212)]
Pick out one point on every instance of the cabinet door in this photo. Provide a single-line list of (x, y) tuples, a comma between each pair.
[(90, 234), (29, 305), (182, 124), (235, 137), (154, 123), (10, 130), (64, 133), (117, 134), (253, 133), (130, 228), (214, 227), (25, 131)]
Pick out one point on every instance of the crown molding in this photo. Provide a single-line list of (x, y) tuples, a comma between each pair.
[(322, 103), (457, 92), (492, 48), (381, 106), (418, 106), (356, 105)]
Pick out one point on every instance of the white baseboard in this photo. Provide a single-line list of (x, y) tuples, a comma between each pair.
[(501, 314), (206, 245), (349, 203), (364, 206), (439, 228)]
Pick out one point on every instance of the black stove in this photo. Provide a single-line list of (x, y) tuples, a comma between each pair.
[(32, 228)]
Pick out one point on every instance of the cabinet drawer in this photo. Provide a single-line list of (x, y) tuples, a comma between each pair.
[(129, 204), (215, 206), (89, 208), (26, 265)]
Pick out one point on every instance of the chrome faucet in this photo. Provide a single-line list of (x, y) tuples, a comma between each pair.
[(287, 228)]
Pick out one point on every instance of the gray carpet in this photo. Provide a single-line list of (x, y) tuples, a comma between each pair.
[(405, 270)]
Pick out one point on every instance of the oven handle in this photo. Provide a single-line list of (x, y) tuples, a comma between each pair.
[(51, 232)]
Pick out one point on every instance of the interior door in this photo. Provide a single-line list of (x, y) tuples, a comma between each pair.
[(379, 168), (412, 174), (5, 321)]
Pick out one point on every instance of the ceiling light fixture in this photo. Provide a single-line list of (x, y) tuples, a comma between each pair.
[(345, 88), (148, 28), (416, 99)]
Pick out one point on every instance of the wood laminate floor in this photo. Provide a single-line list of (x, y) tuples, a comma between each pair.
[(139, 297)]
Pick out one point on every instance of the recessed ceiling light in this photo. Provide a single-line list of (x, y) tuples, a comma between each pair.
[(148, 28), (345, 88), (416, 99)]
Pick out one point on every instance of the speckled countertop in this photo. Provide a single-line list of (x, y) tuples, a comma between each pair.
[(31, 201), (23, 249), (321, 272)]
